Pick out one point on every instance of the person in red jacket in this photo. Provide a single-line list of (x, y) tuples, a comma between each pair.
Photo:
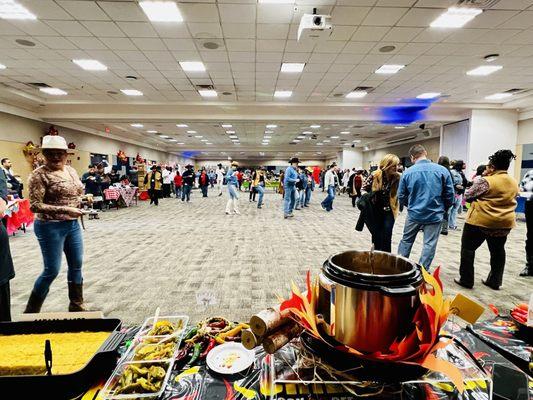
[(240, 177), (178, 183), (204, 182)]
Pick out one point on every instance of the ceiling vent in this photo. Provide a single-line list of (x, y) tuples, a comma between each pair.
[(363, 89), (205, 87), (483, 4), (37, 84), (404, 139), (514, 91)]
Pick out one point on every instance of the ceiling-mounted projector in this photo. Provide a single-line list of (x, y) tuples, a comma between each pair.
[(315, 27)]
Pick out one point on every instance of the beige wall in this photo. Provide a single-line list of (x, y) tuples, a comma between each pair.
[(258, 162), (525, 136), (373, 157), (16, 131)]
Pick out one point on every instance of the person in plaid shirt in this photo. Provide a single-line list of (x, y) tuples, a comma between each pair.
[(527, 186)]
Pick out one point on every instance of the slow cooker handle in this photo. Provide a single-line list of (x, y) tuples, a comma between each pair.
[(399, 291)]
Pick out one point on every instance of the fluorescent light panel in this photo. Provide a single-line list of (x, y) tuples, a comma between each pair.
[(455, 17), (226, 126), (161, 11), (182, 125), (53, 91), (499, 96), (356, 94), (192, 66), (314, 126), (191, 131), (9, 9), (90, 65), (428, 95), (131, 92), (208, 93), (151, 131), (137, 125), (283, 93), (389, 68), (2, 66), (271, 126), (484, 70), (292, 67), (276, 1)]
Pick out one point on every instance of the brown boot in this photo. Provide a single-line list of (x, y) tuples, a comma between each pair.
[(75, 294), (35, 303)]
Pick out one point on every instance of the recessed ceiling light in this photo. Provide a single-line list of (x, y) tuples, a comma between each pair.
[(208, 143), (455, 17), (334, 137), (131, 92), (151, 131), (399, 127), (180, 143), (307, 133), (387, 49), (499, 96), (207, 93), (283, 93), (389, 68), (314, 126), (9, 9), (131, 78), (233, 137), (164, 136), (491, 57), (226, 126), (356, 94), (356, 141), (345, 133), (300, 137), (172, 140), (271, 126), (484, 70), (292, 67), (230, 132), (268, 132), (191, 131), (264, 144), (192, 66), (326, 141), (320, 144), (204, 140), (90, 65), (2, 66), (198, 136), (182, 125), (137, 125), (161, 11), (428, 95), (267, 137), (53, 91)]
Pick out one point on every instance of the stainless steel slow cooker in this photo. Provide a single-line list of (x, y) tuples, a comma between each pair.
[(368, 299)]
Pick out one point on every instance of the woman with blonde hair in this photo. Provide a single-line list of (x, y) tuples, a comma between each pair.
[(382, 184)]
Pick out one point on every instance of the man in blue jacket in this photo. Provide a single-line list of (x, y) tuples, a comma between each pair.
[(289, 187), (426, 189)]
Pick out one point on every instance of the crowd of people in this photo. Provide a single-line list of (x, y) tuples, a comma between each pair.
[(432, 194)]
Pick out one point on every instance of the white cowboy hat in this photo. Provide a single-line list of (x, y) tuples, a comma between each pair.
[(54, 142)]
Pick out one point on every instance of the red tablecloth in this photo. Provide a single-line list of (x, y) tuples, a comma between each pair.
[(126, 194), (17, 214)]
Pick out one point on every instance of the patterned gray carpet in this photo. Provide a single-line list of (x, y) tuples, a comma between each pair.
[(193, 259)]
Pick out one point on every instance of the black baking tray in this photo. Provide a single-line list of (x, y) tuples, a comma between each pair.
[(66, 386)]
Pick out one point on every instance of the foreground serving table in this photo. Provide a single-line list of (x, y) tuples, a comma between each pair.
[(124, 195), (285, 375)]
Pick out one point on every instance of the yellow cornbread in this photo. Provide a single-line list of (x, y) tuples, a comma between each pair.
[(24, 354)]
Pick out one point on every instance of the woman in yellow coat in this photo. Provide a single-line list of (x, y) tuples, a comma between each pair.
[(154, 180)]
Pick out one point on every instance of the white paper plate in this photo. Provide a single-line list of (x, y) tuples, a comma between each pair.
[(230, 358)]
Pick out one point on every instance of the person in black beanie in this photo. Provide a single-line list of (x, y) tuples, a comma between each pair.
[(7, 272)]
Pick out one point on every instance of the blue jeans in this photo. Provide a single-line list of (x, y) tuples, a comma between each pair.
[(327, 203), (308, 193), (431, 237), (186, 193), (452, 219), (178, 192), (56, 238), (382, 237), (261, 190), (289, 199), (204, 190)]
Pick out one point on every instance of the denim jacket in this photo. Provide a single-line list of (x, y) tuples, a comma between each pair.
[(290, 177), (426, 189), (231, 177)]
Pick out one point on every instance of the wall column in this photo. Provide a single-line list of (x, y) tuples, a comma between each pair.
[(351, 158)]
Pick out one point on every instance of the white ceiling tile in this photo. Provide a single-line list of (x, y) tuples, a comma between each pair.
[(215, 56), (45, 9), (237, 13), (369, 33), (525, 37), (358, 47), (102, 28), (205, 30), (137, 29), (274, 13), (57, 42), (329, 47), (490, 19), (496, 36), (159, 56), (272, 31), (127, 55), (435, 3), (351, 59), (513, 5), (395, 3), (116, 43), (348, 15), (241, 56), (402, 34), (431, 35), (87, 10), (384, 16), (149, 43), (87, 43), (420, 17), (271, 45), (169, 30), (33, 27), (302, 46), (465, 35), (68, 28), (240, 44), (123, 11), (296, 57), (416, 48), (342, 32), (523, 20), (199, 12), (269, 57), (238, 31)]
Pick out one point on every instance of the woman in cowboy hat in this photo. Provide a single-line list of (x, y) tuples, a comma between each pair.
[(233, 185), (55, 191)]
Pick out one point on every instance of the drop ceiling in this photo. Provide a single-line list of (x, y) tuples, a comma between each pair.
[(252, 40)]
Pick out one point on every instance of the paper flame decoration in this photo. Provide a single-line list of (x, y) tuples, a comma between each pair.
[(418, 347), (408, 112)]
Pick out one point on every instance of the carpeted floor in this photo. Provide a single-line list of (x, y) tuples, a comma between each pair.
[(193, 259)]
